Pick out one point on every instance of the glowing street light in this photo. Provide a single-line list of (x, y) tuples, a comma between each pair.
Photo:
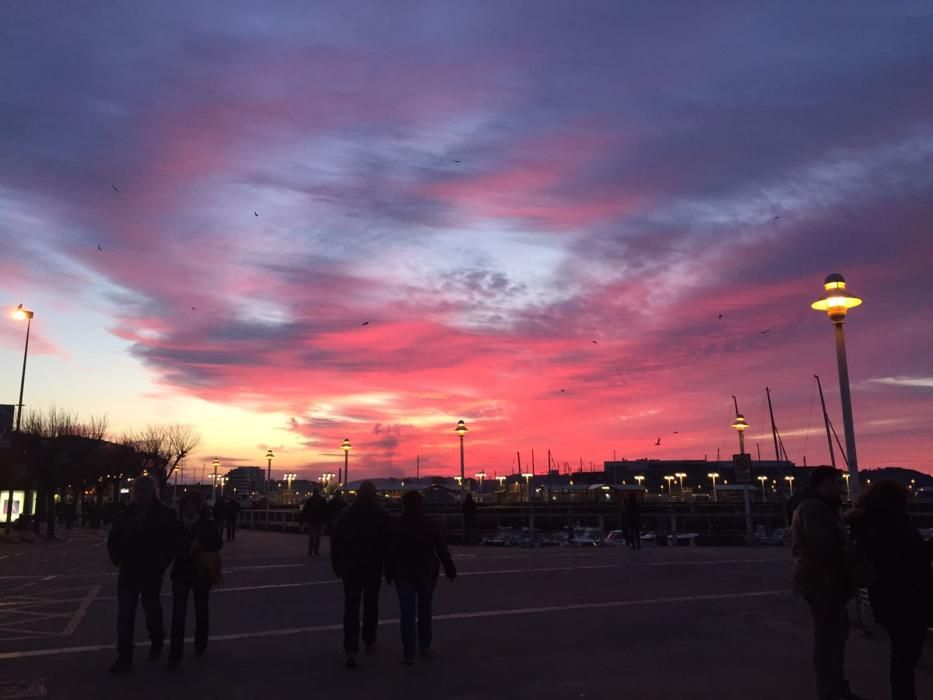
[(847, 476), (289, 478), (639, 478), (215, 464), (501, 480), (669, 479), (527, 477), (20, 314), (269, 457), (714, 476), (763, 480), (681, 476), (346, 447), (481, 475), (790, 482), (461, 430), (836, 302), (741, 425)]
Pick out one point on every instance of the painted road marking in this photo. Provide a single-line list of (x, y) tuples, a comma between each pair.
[(541, 610), (80, 612)]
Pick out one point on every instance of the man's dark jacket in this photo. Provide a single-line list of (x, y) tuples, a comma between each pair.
[(358, 545), (145, 545)]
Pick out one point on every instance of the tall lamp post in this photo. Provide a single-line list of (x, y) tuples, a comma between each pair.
[(269, 457), (763, 480), (790, 483), (741, 425), (20, 314), (836, 302), (346, 446), (670, 493), (680, 477), (461, 430), (639, 478), (481, 475), (714, 476), (215, 464)]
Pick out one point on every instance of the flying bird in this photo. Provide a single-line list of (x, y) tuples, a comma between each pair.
[(115, 189), (776, 218), (99, 248), (658, 442), (595, 343), (765, 332), (456, 161), (255, 213), (676, 432), (720, 317), (194, 308), (364, 323), (563, 391)]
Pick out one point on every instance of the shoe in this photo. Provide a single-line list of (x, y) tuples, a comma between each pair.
[(155, 651), (351, 661), (121, 665), (371, 647)]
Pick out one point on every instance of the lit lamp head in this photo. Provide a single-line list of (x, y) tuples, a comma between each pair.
[(21, 314), (269, 454), (713, 475), (346, 445), (215, 463), (836, 300), (461, 428), (740, 423)]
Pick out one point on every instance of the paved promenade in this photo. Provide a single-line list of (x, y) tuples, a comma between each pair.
[(556, 623)]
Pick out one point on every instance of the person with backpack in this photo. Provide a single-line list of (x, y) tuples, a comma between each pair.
[(196, 569), (901, 592), (357, 553), (416, 553), (823, 577)]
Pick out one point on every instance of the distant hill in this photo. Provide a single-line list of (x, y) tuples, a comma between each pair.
[(901, 475)]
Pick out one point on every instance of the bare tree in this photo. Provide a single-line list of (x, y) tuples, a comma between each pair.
[(163, 447)]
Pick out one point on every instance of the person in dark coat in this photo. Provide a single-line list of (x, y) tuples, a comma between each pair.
[(231, 513), (823, 577), (416, 553), (194, 535), (469, 518), (632, 519), (357, 553), (142, 544), (314, 516), (902, 592)]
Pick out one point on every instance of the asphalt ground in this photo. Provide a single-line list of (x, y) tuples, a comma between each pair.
[(517, 623)]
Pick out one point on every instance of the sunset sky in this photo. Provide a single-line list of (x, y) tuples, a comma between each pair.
[(492, 186)]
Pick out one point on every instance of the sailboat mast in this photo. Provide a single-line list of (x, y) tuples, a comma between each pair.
[(829, 438), (774, 435)]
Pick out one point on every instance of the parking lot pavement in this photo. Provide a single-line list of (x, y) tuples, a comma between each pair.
[(544, 623)]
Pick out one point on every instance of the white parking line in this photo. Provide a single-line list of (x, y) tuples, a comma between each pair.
[(81, 611), (450, 616)]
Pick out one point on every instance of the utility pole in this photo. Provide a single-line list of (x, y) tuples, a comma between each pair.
[(777, 451)]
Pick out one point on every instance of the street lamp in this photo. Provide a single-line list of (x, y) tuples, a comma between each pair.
[(501, 480), (461, 430), (790, 482), (836, 302), (669, 479), (289, 478), (741, 425), (763, 480), (20, 314), (346, 460), (714, 476), (269, 457), (846, 476), (215, 464), (681, 476), (527, 477), (481, 475), (639, 478)]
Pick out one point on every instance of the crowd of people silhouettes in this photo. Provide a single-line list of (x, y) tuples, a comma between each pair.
[(873, 547)]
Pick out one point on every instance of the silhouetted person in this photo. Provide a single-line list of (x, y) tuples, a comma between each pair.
[(231, 513), (335, 507), (822, 575), (469, 518), (357, 553), (902, 592), (194, 572), (416, 553), (633, 521), (219, 513), (142, 544), (314, 515)]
